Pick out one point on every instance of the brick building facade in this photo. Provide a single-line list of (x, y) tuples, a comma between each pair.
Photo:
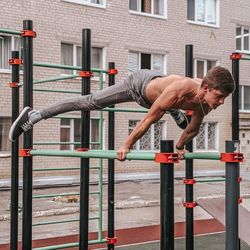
[(133, 34)]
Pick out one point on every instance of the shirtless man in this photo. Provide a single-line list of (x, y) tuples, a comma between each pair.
[(151, 90)]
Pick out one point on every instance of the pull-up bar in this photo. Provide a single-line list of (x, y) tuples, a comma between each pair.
[(112, 154)]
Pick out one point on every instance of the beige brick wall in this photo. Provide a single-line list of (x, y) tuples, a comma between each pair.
[(118, 31)]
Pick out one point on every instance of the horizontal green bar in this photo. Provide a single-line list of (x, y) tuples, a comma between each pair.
[(67, 117), (111, 154), (126, 110), (52, 195), (96, 192), (53, 222), (63, 143), (203, 156), (44, 223), (69, 245), (56, 143), (61, 66), (59, 169), (57, 91), (54, 169), (56, 195), (55, 79), (211, 180), (245, 58), (56, 66), (101, 154), (12, 32)]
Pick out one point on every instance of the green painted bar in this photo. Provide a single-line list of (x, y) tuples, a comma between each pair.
[(203, 156), (96, 167), (53, 222), (56, 143), (100, 171), (57, 91), (61, 169), (62, 143), (12, 32), (55, 79), (112, 154), (66, 117), (54, 169), (60, 222), (55, 66), (126, 110), (56, 195), (210, 180), (61, 66), (245, 58), (52, 195), (101, 154), (69, 245)]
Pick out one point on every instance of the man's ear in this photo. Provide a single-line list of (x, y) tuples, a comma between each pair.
[(205, 88)]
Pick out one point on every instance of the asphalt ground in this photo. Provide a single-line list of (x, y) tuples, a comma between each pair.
[(136, 202)]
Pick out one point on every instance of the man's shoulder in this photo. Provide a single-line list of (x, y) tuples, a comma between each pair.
[(181, 81), (188, 83)]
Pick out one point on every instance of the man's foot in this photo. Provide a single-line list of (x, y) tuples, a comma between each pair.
[(21, 124), (180, 118)]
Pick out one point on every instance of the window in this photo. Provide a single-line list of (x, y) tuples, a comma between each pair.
[(151, 139), (95, 3), (5, 123), (137, 61), (242, 39), (72, 55), (151, 7), (201, 67), (207, 139), (7, 44), (203, 11), (70, 133), (244, 98)]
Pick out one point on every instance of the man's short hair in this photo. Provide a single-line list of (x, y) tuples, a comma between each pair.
[(221, 79)]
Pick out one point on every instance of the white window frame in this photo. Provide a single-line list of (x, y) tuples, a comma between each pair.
[(12, 48), (139, 12), (205, 65), (242, 35), (71, 128), (88, 3), (71, 132), (151, 54), (152, 135), (101, 134), (217, 136), (217, 25), (241, 108), (1, 38), (95, 78), (5, 153)]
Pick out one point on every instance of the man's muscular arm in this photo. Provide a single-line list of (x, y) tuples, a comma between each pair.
[(164, 102), (190, 132), (153, 116)]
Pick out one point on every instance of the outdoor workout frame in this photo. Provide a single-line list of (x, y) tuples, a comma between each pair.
[(166, 158)]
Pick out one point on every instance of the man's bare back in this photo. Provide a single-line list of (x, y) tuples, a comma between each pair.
[(186, 90)]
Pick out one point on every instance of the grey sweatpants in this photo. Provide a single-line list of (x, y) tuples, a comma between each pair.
[(132, 89)]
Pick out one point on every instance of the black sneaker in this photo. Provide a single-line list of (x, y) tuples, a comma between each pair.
[(180, 118), (21, 124)]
